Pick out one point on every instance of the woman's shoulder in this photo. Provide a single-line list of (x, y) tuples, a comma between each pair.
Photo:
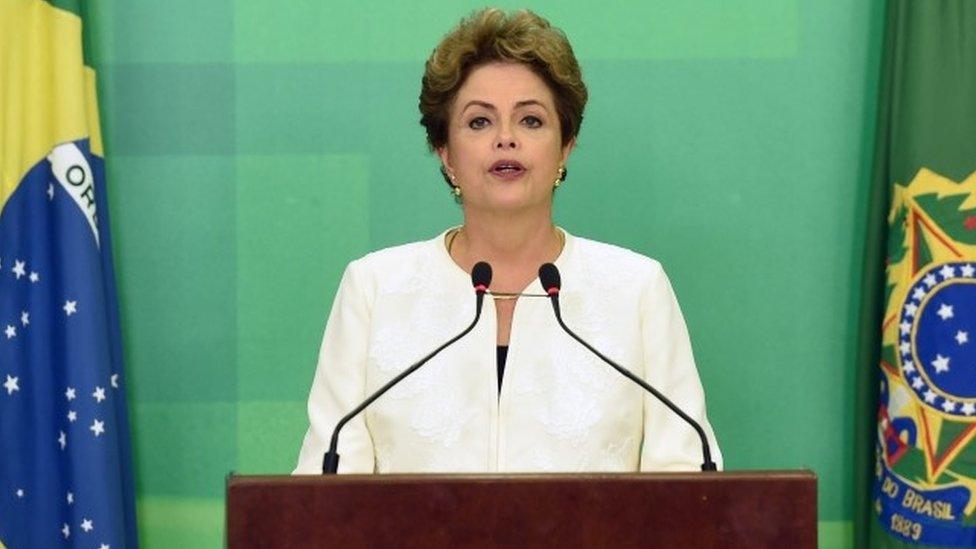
[(600, 257), (617, 271), (397, 256), (399, 265)]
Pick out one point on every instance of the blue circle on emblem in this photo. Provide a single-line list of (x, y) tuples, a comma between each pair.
[(937, 339), (942, 339)]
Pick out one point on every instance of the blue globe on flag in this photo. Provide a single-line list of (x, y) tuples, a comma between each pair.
[(938, 339)]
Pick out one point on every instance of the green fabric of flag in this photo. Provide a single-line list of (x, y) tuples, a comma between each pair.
[(916, 453)]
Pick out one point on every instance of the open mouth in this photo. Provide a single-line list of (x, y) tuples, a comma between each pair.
[(507, 169)]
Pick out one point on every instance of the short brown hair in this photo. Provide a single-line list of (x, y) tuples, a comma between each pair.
[(491, 35)]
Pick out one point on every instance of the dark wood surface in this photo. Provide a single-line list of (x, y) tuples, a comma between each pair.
[(727, 510)]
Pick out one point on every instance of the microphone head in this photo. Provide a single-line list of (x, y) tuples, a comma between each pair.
[(549, 277), (481, 276)]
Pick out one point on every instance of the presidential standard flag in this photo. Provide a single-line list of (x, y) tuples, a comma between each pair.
[(65, 477), (924, 468)]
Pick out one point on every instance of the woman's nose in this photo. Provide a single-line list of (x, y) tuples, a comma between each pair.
[(505, 138)]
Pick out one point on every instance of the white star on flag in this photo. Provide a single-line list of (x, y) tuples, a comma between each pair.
[(24, 318), (70, 498), (34, 277), (99, 394), (948, 406), (910, 309), (945, 311), (968, 409), (104, 546), (918, 294), (86, 525), (908, 366), (69, 393), (70, 307), (905, 327), (62, 439), (20, 492), (72, 416), (11, 331), (917, 382), (947, 272), (941, 363), (11, 384), (904, 347), (962, 337), (97, 427), (929, 280), (66, 530), (930, 396), (967, 270), (19, 268)]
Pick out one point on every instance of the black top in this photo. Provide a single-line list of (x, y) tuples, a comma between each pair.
[(502, 355)]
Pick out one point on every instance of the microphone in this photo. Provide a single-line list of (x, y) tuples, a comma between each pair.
[(549, 276), (480, 279)]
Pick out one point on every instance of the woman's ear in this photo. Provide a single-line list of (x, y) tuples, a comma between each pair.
[(445, 159), (568, 148)]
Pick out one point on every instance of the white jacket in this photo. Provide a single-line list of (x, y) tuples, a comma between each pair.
[(560, 407)]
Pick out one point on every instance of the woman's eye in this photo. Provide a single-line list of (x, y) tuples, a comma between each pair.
[(478, 123), (532, 121)]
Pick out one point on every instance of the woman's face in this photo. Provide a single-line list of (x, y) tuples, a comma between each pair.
[(504, 145)]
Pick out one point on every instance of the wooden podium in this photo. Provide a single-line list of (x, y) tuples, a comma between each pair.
[(732, 509)]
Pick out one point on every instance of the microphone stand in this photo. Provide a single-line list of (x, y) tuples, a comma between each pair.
[(330, 462), (707, 463)]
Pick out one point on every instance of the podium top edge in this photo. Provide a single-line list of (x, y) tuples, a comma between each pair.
[(234, 479)]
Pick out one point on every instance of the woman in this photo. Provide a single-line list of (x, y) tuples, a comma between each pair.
[(502, 101)]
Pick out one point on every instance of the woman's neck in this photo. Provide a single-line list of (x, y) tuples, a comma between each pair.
[(515, 247)]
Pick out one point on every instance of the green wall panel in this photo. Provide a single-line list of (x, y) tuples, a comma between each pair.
[(158, 109), (294, 236), (176, 31), (351, 31), (263, 429), (835, 534), (176, 275), (293, 109), (189, 523), (184, 449), (705, 29)]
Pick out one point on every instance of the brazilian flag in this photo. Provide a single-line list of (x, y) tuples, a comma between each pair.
[(918, 372), (65, 464)]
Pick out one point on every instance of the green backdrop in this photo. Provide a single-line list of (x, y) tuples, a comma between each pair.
[(254, 148)]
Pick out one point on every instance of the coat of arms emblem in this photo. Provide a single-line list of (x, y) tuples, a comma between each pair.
[(926, 458)]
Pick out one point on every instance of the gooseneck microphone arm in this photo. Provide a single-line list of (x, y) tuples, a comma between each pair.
[(549, 276), (481, 279)]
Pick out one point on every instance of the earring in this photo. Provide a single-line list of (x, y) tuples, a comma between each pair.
[(455, 188), (560, 177)]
